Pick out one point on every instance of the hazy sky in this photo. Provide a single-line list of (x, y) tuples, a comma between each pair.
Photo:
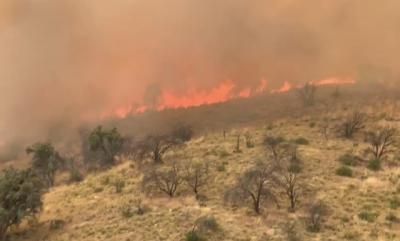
[(64, 60)]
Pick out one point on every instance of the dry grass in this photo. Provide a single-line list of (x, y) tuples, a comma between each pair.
[(92, 209)]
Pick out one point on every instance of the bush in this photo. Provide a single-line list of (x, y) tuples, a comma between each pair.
[(194, 236), (20, 197), (348, 160), (391, 217), (344, 171), (206, 224), (75, 175), (394, 203), (374, 165), (368, 216), (301, 141), (119, 185), (316, 216)]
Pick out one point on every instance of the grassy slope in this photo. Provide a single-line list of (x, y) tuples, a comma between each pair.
[(92, 209)]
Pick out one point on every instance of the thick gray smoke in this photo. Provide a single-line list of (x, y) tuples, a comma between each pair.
[(65, 61)]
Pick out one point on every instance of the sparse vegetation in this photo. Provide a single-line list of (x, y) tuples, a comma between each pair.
[(301, 141), (354, 123), (255, 185), (196, 175), (273, 145), (375, 165), (317, 213), (344, 171), (381, 142), (307, 94), (166, 179), (368, 216)]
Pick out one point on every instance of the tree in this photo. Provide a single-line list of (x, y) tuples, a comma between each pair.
[(109, 142), (166, 179), (381, 142), (274, 144), (307, 94), (354, 123), (289, 181), (289, 175), (196, 175), (255, 185), (155, 146), (20, 197), (45, 161)]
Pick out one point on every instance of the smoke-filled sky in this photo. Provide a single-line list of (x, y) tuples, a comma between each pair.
[(63, 60)]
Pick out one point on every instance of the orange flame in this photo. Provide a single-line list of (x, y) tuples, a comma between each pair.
[(223, 92)]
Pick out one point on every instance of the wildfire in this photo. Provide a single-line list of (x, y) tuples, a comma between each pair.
[(223, 92)]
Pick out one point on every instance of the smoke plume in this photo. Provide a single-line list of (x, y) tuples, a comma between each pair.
[(63, 62)]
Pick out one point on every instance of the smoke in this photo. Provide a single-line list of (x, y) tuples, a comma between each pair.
[(64, 61)]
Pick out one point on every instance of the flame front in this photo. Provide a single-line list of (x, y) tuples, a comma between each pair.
[(224, 91)]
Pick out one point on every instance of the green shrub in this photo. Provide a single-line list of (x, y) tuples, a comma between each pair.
[(368, 216), (312, 124), (348, 160), (344, 171), (394, 203), (301, 141), (194, 236), (374, 165)]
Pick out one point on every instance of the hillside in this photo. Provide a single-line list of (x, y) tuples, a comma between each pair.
[(363, 207)]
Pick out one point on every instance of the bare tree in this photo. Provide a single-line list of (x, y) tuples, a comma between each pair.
[(274, 144), (289, 175), (249, 140), (155, 147), (307, 94), (381, 142), (196, 175), (354, 123), (255, 185), (237, 147), (166, 179)]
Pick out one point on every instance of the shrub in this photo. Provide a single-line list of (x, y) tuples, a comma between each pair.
[(20, 197), (119, 185), (391, 217), (317, 213), (348, 160), (374, 165), (193, 236), (75, 175), (301, 141), (344, 171), (394, 203), (368, 216), (206, 224)]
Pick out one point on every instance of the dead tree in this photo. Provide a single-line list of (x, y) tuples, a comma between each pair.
[(254, 185), (237, 147), (354, 123), (273, 145), (307, 94), (289, 175), (154, 147), (249, 140), (196, 175), (166, 179), (381, 141)]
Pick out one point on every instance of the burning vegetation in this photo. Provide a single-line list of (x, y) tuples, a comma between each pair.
[(199, 120)]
